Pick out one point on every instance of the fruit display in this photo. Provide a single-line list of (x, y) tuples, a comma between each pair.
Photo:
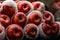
[(25, 20)]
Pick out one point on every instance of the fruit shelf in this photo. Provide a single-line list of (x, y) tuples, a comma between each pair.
[(29, 20)]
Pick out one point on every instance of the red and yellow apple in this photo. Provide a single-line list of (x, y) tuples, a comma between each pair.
[(24, 6), (35, 17), (55, 28), (19, 18), (46, 29), (5, 20), (31, 30), (48, 17), (38, 6), (14, 31)]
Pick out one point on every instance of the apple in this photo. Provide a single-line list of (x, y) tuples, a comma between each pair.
[(24, 6), (14, 31), (48, 17), (38, 6), (19, 18), (9, 7), (5, 20), (31, 30), (2, 32), (34, 17), (55, 28), (45, 30)]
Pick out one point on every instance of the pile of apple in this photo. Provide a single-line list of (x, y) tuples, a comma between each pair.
[(26, 19)]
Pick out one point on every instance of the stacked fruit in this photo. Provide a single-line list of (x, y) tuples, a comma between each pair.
[(26, 19)]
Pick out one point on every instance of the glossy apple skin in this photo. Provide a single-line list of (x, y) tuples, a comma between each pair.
[(31, 30), (19, 18), (46, 29), (55, 28), (8, 10), (5, 20), (14, 31), (47, 17), (34, 18), (24, 6)]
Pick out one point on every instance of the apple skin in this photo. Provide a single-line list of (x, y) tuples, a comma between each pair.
[(19, 18), (8, 10), (34, 17), (38, 6), (24, 6), (31, 30), (46, 29), (5, 20), (48, 17), (55, 28), (14, 31)]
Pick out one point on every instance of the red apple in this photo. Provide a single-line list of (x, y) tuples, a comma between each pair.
[(14, 31), (46, 29), (38, 6), (35, 17), (9, 7), (31, 30), (19, 18), (24, 6), (48, 17), (55, 28), (5, 20)]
